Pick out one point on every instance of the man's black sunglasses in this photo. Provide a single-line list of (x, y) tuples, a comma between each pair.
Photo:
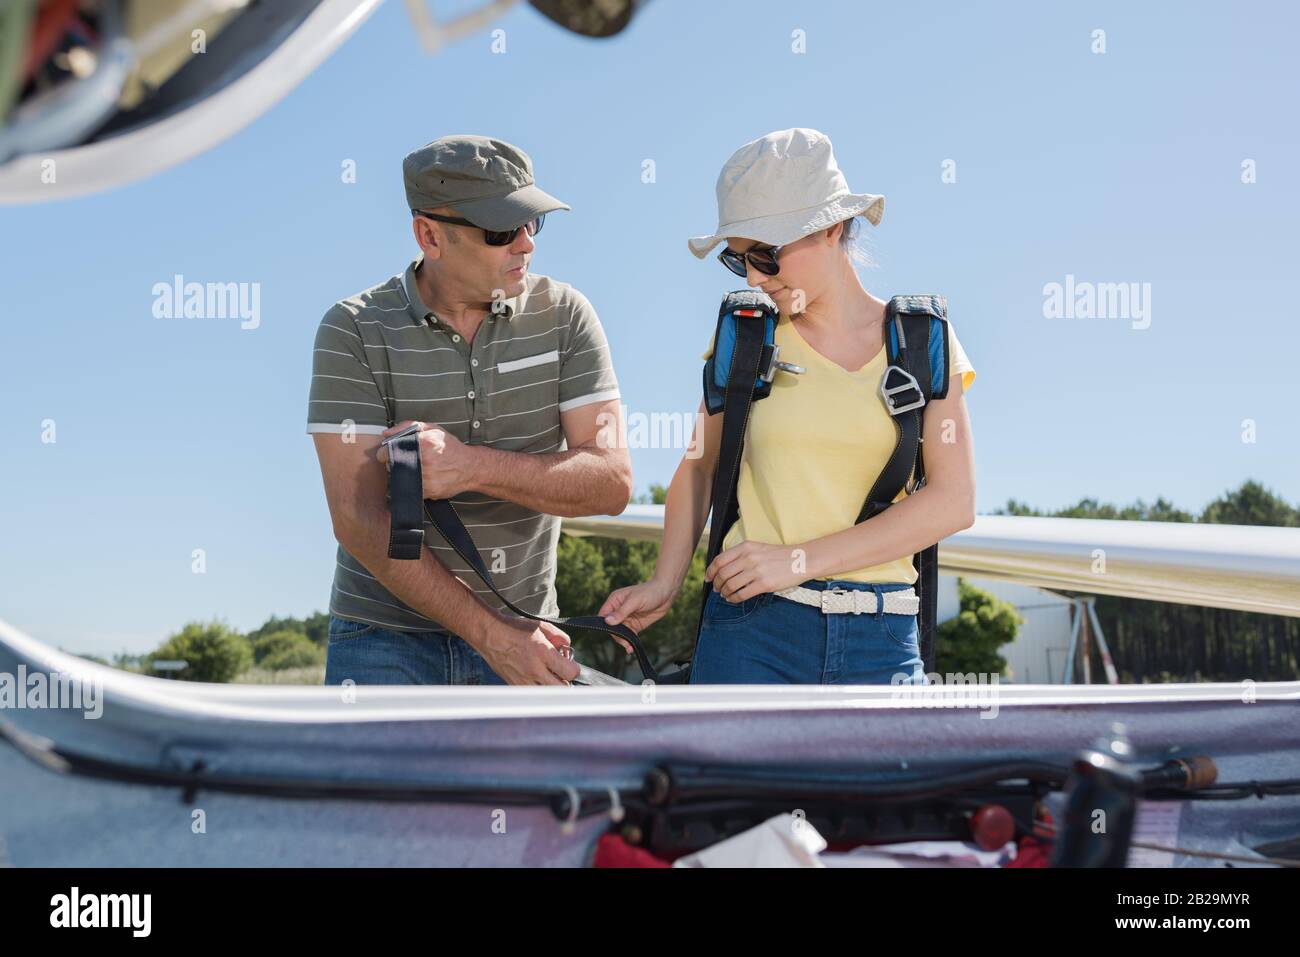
[(493, 237), (764, 260)]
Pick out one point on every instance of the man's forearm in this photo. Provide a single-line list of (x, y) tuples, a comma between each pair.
[(581, 481), (425, 585)]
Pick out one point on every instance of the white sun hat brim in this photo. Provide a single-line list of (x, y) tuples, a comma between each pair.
[(780, 229)]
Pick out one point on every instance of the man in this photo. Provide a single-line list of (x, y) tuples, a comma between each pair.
[(510, 376)]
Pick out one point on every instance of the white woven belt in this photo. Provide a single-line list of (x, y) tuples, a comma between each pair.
[(843, 601)]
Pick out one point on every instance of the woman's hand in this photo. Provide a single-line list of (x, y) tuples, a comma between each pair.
[(752, 568), (638, 606)]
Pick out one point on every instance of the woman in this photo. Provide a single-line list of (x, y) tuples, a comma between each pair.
[(812, 450)]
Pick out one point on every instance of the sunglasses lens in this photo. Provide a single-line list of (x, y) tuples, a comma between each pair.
[(764, 260), (733, 261), (506, 237)]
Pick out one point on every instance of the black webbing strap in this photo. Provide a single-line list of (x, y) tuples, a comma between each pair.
[(913, 357), (907, 462), (408, 508), (405, 499), (926, 563), (739, 399)]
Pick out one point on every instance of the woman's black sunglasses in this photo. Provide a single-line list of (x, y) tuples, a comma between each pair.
[(493, 237), (764, 260)]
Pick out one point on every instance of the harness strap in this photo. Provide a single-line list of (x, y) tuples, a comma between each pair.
[(735, 418), (739, 399), (408, 508), (907, 462), (913, 358), (405, 500)]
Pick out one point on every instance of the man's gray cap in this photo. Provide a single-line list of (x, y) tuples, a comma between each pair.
[(488, 181)]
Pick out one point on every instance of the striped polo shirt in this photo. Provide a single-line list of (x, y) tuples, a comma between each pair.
[(382, 357)]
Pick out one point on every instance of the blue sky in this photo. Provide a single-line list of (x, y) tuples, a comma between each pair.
[(1115, 167)]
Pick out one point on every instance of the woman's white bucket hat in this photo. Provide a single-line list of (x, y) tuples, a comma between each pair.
[(782, 187)]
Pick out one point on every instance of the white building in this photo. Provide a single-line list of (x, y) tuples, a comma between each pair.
[(1038, 655)]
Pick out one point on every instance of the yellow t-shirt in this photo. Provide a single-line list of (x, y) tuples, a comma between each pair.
[(814, 448)]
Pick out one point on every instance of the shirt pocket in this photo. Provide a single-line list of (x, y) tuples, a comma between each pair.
[(528, 362)]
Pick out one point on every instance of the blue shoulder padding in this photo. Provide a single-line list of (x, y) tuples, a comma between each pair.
[(718, 366), (726, 345), (937, 308)]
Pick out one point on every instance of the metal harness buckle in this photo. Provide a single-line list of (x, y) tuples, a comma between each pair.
[(888, 392), (768, 374)]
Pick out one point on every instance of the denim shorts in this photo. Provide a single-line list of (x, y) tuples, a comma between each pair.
[(772, 640), (372, 655)]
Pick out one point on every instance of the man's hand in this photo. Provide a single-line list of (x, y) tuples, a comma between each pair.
[(526, 652), (446, 463), (752, 568)]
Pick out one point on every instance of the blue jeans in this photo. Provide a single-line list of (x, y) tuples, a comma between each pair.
[(772, 640), (371, 655)]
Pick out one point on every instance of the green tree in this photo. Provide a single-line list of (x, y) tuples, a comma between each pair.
[(211, 652), (1252, 504), (1139, 511), (581, 584), (315, 627), (970, 641), (658, 495), (286, 649)]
